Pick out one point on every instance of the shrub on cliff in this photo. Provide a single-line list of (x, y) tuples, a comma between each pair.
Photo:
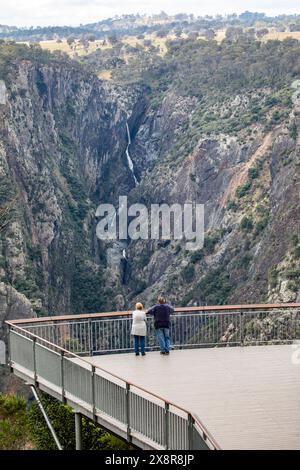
[(63, 421), (14, 431)]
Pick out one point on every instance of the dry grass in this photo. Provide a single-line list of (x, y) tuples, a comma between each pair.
[(156, 42), (281, 36), (78, 49), (75, 48), (220, 35), (105, 74)]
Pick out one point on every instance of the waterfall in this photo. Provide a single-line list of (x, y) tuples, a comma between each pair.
[(129, 160)]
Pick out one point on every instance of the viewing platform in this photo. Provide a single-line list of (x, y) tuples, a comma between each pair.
[(248, 398), (231, 381)]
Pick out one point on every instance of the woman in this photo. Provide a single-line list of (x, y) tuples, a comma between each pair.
[(139, 329)]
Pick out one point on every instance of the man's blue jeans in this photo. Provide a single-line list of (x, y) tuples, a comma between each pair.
[(163, 336), (139, 342)]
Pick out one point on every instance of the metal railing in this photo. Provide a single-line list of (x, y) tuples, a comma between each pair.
[(111, 334), (162, 423), (50, 351)]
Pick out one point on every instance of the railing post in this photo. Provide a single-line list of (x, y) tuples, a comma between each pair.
[(93, 391), (34, 360), (55, 335), (128, 412), (191, 423), (62, 376), (90, 333), (9, 358), (241, 329), (167, 425)]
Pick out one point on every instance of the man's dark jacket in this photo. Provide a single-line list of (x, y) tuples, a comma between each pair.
[(161, 313)]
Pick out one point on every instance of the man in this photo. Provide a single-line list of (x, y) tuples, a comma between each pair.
[(161, 313)]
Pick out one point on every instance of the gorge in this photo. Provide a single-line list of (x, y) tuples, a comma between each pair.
[(210, 123)]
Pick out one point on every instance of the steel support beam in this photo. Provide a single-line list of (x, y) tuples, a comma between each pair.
[(78, 430), (48, 422)]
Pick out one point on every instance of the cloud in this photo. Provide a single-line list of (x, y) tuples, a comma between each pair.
[(74, 12)]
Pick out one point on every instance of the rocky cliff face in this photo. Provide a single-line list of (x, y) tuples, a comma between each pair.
[(63, 151), (63, 138), (249, 183)]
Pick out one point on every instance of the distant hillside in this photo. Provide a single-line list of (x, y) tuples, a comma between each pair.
[(135, 25)]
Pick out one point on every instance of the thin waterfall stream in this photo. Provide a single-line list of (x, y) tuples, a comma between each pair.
[(129, 160)]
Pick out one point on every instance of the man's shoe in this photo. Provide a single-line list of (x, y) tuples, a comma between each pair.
[(137, 354), (143, 354), (167, 353), (162, 353)]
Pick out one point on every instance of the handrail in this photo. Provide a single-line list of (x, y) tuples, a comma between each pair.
[(21, 325), (206, 308), (125, 381)]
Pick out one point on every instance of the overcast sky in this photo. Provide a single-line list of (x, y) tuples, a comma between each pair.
[(74, 12)]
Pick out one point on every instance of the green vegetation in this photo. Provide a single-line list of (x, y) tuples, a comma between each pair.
[(6, 189), (11, 53), (245, 261), (296, 252), (293, 274), (23, 427), (197, 256), (253, 173), (246, 223), (215, 287), (231, 205), (188, 273), (292, 286), (212, 73), (273, 277), (242, 190), (62, 419), (230, 67), (7, 200), (27, 287), (295, 239), (86, 288), (140, 286), (111, 30), (40, 83), (210, 242), (295, 246), (261, 225), (14, 429)]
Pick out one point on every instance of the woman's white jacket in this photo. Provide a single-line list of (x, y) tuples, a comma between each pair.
[(139, 319)]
